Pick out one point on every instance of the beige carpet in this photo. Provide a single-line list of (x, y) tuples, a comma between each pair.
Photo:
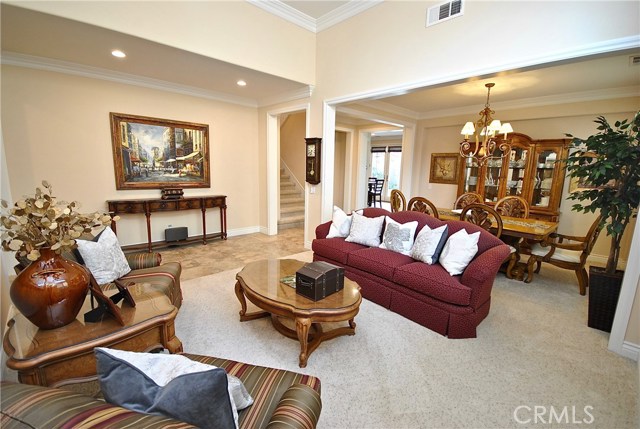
[(533, 350)]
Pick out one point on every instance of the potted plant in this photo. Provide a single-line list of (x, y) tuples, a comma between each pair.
[(49, 291), (609, 163)]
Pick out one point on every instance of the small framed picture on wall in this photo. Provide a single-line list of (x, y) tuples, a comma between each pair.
[(444, 168)]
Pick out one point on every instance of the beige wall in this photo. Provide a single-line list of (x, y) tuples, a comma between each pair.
[(339, 169), (56, 127), (232, 31), (292, 145)]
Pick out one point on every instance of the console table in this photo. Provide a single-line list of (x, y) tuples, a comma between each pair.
[(148, 206)]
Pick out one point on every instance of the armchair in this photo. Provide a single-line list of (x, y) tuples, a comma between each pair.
[(572, 256)]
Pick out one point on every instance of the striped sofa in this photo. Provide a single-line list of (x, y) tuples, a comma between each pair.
[(282, 399)]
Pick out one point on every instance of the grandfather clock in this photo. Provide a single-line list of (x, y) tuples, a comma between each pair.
[(313, 160)]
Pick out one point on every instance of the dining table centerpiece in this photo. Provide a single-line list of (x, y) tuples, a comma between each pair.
[(50, 289)]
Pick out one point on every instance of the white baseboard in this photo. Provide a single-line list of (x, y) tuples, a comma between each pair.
[(245, 231), (601, 260), (631, 351)]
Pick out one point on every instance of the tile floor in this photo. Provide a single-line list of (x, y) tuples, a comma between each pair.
[(218, 255)]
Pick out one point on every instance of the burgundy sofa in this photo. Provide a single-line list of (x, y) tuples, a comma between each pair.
[(450, 305)]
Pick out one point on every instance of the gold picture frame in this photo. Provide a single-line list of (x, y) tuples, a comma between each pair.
[(152, 153), (444, 168)]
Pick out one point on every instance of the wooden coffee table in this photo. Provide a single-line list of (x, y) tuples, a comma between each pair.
[(65, 355), (260, 283)]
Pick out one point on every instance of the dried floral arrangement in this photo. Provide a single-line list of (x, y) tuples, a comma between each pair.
[(42, 221)]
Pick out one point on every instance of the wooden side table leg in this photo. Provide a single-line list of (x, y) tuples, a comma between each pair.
[(302, 329), (170, 341)]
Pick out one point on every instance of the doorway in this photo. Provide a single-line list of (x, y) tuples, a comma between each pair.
[(386, 162)]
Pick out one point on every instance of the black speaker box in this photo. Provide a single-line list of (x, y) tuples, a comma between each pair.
[(175, 234)]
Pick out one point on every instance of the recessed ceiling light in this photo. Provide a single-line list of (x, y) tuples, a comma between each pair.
[(118, 53), (241, 83)]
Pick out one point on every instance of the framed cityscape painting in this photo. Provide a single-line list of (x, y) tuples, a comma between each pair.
[(152, 153)]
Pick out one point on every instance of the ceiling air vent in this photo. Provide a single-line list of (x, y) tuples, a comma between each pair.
[(634, 60), (444, 11)]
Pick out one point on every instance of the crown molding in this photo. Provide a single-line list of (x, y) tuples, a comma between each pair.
[(567, 98), (59, 66), (304, 92), (342, 13), (284, 11), (391, 108)]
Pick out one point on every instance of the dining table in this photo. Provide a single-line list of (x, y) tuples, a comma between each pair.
[(526, 230)]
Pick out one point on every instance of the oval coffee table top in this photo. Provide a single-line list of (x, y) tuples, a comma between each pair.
[(264, 278)]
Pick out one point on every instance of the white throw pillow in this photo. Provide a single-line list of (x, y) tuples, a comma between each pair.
[(459, 250), (104, 258), (340, 225), (429, 244), (398, 237), (365, 230)]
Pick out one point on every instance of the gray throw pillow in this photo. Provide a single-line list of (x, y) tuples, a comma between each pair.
[(198, 398)]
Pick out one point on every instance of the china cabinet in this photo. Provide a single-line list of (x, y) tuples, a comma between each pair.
[(534, 170)]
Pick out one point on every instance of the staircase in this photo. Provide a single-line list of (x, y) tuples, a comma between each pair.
[(291, 203)]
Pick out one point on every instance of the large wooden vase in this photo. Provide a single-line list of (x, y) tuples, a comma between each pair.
[(51, 290)]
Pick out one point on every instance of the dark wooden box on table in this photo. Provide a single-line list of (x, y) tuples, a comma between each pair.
[(319, 279)]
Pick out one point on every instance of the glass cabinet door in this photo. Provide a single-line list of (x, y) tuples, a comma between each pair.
[(544, 176), (471, 173), (516, 171), (492, 180)]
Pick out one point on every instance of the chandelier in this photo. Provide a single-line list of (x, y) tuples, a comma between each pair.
[(487, 139)]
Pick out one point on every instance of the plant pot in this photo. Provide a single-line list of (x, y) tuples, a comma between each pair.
[(604, 290), (50, 291)]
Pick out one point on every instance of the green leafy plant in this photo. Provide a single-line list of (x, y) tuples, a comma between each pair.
[(609, 162), (42, 221)]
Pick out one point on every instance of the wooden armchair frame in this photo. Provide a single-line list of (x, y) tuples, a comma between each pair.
[(546, 252)]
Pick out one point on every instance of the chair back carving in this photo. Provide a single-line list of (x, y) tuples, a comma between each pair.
[(513, 206), (483, 216), (398, 201), (423, 205), (466, 199)]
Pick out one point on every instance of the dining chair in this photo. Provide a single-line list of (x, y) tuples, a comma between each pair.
[(375, 193), (573, 253), (371, 186), (467, 198), (423, 205), (489, 219), (398, 201), (513, 206)]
